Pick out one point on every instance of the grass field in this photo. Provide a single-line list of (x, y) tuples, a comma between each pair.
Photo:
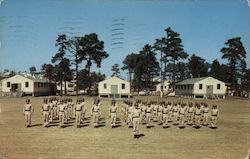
[(231, 140)]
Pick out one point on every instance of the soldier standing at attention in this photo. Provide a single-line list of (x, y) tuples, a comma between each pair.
[(124, 110), (61, 108), (165, 112), (190, 115), (148, 115), (54, 102), (78, 113), (214, 116), (159, 112), (170, 111), (95, 112), (205, 114), (143, 112), (27, 111), (112, 113), (45, 111), (49, 102), (136, 120), (197, 116), (155, 108), (83, 115), (130, 108), (175, 113), (182, 115)]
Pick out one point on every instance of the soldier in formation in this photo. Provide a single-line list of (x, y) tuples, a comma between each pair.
[(136, 113), (27, 111), (112, 113), (46, 112)]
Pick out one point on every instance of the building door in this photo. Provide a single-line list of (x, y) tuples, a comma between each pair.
[(210, 91), (114, 91)]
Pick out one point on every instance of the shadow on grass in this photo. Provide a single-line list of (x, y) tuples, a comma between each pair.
[(35, 125)]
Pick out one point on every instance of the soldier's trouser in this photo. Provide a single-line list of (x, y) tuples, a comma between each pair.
[(45, 118), (27, 115), (113, 119), (136, 122), (190, 117), (96, 118), (130, 119), (197, 120), (160, 117), (182, 119), (205, 118), (61, 118), (54, 112), (78, 118), (155, 114), (66, 115), (143, 115), (83, 115), (214, 120), (165, 119), (148, 118), (170, 114)]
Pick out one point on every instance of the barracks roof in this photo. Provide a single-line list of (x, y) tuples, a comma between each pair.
[(193, 80)]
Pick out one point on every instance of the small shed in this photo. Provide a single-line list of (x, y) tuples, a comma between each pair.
[(114, 87), (27, 85), (203, 87)]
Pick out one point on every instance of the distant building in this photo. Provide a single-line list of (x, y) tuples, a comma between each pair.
[(166, 86), (70, 86), (26, 85), (114, 87), (203, 87)]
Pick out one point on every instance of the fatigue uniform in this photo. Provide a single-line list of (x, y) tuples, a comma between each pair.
[(27, 114), (54, 107), (165, 112), (61, 108), (159, 113), (197, 117), (148, 115), (83, 114), (190, 115), (45, 111), (205, 116), (130, 109), (78, 114), (124, 110), (182, 116), (143, 113), (50, 112), (136, 120), (170, 112), (95, 112), (214, 117)]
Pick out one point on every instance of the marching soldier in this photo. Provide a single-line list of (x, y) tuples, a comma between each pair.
[(27, 111), (45, 112), (95, 111), (197, 116), (148, 115), (112, 113), (182, 115), (159, 112), (205, 114), (190, 115), (61, 108), (214, 116), (136, 120), (78, 113)]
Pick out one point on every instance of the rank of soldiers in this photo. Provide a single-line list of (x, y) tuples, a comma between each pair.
[(134, 113)]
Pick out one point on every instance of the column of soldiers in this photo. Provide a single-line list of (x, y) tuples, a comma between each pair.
[(180, 113)]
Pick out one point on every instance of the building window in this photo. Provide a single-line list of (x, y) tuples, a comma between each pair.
[(218, 86), (188, 87), (8, 84), (200, 86), (185, 87), (105, 86), (123, 86), (26, 84)]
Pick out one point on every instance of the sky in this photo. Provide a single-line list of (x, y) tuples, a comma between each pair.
[(29, 28)]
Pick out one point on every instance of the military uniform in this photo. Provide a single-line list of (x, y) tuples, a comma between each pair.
[(61, 108), (214, 116), (155, 108), (143, 113), (45, 112), (129, 122), (95, 112), (176, 113), (27, 110), (205, 115), (159, 113), (83, 115), (170, 111), (148, 115), (197, 116), (165, 112), (54, 107), (113, 111), (190, 115), (182, 112), (78, 113), (136, 120)]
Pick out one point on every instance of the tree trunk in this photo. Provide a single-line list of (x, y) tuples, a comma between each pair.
[(174, 74), (65, 87)]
